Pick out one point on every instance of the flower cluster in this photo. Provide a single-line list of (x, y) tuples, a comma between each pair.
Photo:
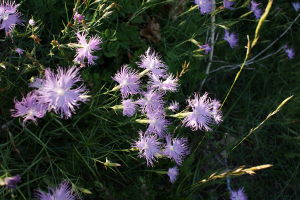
[(57, 91), (156, 141)]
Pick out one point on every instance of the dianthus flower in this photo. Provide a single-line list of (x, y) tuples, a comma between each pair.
[(205, 6), (216, 112), (289, 52), (62, 192), (29, 108), (157, 123), (255, 9), (60, 91), (174, 106), (203, 113), (173, 173), (19, 51), (128, 80), (148, 146), (238, 195), (129, 107), (206, 48), (87, 48), (152, 61), (9, 16), (231, 38), (176, 149), (296, 6), (11, 182), (169, 84), (228, 4), (151, 102), (78, 17)]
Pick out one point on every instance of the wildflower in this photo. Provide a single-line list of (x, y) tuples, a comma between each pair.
[(157, 123), (290, 52), (206, 48), (62, 192), (238, 195), (151, 102), (129, 81), (255, 9), (60, 91), (216, 112), (11, 182), (31, 22), (78, 17), (19, 51), (173, 173), (129, 107), (205, 6), (87, 48), (169, 84), (148, 146), (228, 4), (29, 108), (231, 38), (174, 106), (203, 113), (176, 149), (296, 6), (151, 61), (9, 16)]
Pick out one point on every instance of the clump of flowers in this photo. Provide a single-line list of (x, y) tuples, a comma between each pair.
[(86, 48), (149, 101), (62, 192), (58, 91), (9, 16)]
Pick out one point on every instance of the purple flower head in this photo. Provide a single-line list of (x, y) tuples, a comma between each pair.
[(296, 6), (238, 195), (228, 4), (157, 123), (78, 17), (60, 91), (176, 149), (206, 48), (87, 48), (11, 182), (19, 51), (203, 113), (255, 9), (129, 81), (151, 102), (29, 108), (62, 192), (205, 6), (31, 22), (231, 38), (169, 84), (290, 52), (216, 112), (173, 173), (9, 16), (148, 146), (152, 61), (129, 107), (174, 106)]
